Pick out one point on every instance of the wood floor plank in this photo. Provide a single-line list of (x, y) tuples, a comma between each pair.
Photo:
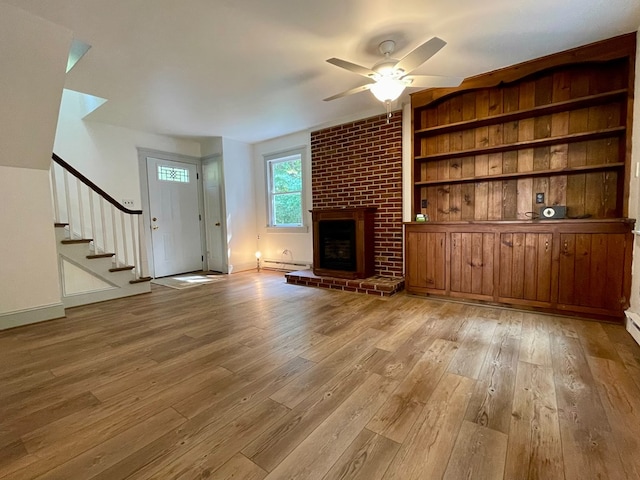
[(396, 417), (317, 453), (534, 445), (470, 357), (95, 460), (492, 398), (219, 413), (296, 391), (270, 448), (587, 445), (595, 341), (212, 451), (11, 451), (430, 442), (535, 345), (367, 458), (239, 467), (479, 453), (619, 395)]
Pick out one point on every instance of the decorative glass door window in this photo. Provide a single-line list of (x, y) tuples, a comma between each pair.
[(173, 174)]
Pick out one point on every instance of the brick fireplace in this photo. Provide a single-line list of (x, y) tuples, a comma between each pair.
[(359, 164)]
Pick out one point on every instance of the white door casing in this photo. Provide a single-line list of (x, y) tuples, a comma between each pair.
[(174, 214), (214, 214)]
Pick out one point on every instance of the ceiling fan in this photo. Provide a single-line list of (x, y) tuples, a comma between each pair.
[(389, 77)]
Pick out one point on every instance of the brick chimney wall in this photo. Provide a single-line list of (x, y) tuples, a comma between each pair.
[(359, 164)]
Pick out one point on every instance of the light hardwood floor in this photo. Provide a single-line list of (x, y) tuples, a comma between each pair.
[(251, 378)]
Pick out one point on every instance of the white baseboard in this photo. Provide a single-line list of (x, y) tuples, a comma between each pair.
[(633, 325), (31, 315)]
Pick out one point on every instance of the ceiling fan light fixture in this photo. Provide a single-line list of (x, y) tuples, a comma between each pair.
[(387, 89)]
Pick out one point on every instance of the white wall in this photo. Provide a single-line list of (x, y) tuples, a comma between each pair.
[(33, 59), (29, 259), (107, 154), (273, 244), (239, 202)]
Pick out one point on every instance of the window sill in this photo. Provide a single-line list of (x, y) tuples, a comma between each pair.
[(302, 229)]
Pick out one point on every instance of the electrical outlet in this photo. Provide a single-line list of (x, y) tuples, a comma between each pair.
[(540, 197), (424, 203)]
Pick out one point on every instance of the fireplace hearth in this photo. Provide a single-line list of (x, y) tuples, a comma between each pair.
[(343, 242)]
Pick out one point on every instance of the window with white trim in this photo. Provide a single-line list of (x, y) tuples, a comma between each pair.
[(285, 189)]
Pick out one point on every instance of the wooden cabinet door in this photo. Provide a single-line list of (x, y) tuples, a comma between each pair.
[(471, 265), (525, 268), (426, 262), (591, 272)]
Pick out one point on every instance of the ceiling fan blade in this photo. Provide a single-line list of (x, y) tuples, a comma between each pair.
[(359, 89), (432, 81), (352, 67), (419, 55)]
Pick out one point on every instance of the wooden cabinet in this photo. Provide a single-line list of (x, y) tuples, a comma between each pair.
[(426, 274), (591, 272), (525, 274), (580, 267), (471, 265)]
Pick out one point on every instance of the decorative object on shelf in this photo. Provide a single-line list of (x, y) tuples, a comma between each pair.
[(553, 212), (389, 77), (421, 217)]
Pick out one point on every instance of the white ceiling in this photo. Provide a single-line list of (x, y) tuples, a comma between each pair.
[(255, 69)]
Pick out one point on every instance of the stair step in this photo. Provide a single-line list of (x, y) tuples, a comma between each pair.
[(121, 269), (79, 240), (60, 225), (100, 255), (140, 280)]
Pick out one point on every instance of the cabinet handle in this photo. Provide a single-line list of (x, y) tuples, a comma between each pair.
[(566, 246), (546, 245)]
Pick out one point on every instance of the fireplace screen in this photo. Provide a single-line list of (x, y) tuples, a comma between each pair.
[(337, 240)]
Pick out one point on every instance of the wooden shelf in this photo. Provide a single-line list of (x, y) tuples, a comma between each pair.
[(516, 175), (573, 104), (540, 142)]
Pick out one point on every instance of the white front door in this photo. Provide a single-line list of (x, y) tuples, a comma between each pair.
[(175, 221), (212, 180)]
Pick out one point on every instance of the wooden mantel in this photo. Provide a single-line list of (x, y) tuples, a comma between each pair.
[(363, 246)]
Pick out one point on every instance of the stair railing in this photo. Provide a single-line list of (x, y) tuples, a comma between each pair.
[(91, 213)]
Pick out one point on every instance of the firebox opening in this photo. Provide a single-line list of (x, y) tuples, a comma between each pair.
[(338, 245)]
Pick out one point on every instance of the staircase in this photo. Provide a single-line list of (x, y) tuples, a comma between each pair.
[(100, 243)]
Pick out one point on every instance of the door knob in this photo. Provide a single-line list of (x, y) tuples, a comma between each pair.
[(154, 219), (217, 224), (155, 227)]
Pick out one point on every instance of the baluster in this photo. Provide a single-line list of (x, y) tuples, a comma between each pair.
[(103, 225), (54, 190), (92, 228), (68, 203), (124, 239), (81, 209), (134, 246), (114, 227), (142, 244)]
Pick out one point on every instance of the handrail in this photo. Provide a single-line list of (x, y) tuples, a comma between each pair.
[(93, 186)]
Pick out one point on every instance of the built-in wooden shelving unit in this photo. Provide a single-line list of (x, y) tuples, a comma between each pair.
[(556, 128)]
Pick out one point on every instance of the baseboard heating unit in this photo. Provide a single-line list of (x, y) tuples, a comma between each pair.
[(633, 325), (285, 266)]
